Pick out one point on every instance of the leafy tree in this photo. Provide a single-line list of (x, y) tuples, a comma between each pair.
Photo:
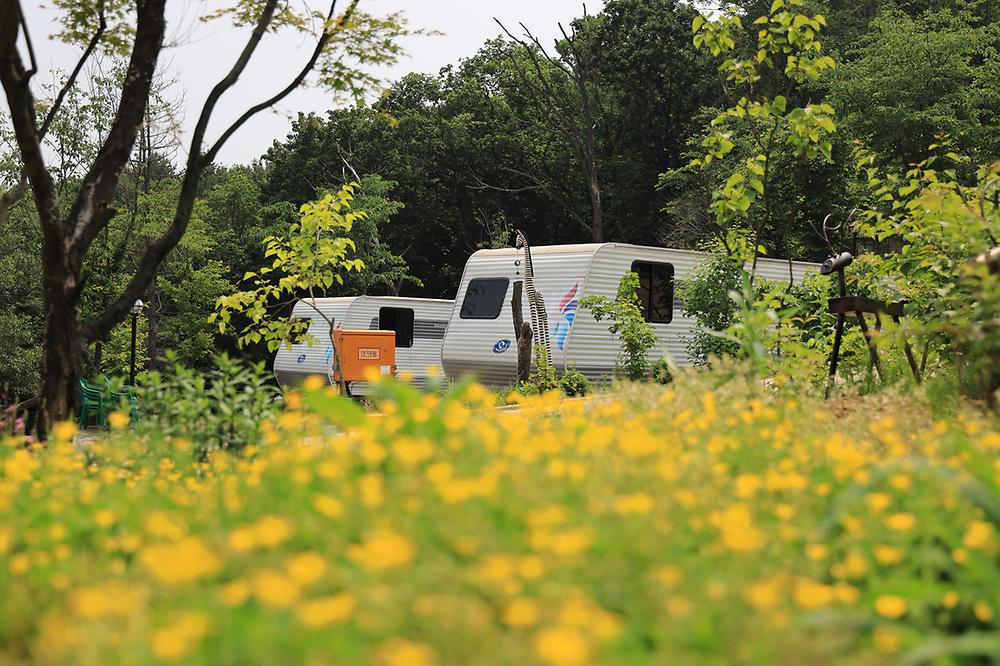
[(313, 257), (786, 47), (910, 78), (628, 323), (69, 234)]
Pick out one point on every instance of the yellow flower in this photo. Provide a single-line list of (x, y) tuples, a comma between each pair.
[(669, 575), (235, 593), (163, 525), (522, 612), (382, 550), (112, 598), (401, 652), (888, 554), (878, 501), (181, 562), (983, 611), (274, 589), (178, 640), (763, 595), (328, 506), (810, 595), (325, 611), (64, 431), (530, 567), (978, 534), (562, 646), (678, 606), (950, 599), (901, 522), (890, 606), (306, 568), (20, 466), (886, 639), (737, 527), (272, 531), (118, 420), (638, 504), (104, 518)]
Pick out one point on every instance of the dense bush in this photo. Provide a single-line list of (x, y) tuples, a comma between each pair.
[(662, 372), (222, 409), (636, 336), (687, 526), (574, 383)]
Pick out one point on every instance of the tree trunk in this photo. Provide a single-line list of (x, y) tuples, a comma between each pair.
[(99, 357), (596, 207), (152, 327), (63, 337), (522, 335)]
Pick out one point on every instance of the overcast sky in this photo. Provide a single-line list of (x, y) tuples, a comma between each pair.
[(205, 51)]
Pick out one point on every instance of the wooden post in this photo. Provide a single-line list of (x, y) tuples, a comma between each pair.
[(522, 334)]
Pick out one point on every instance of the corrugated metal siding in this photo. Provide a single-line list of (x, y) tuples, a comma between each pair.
[(353, 313), (595, 269), (292, 366), (469, 343)]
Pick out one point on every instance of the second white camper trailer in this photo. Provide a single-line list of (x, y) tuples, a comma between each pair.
[(419, 324), (480, 338)]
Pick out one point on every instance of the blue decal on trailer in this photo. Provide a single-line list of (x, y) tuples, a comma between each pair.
[(301, 358), (500, 346)]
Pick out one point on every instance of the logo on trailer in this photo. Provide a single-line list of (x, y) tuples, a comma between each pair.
[(301, 358), (365, 354), (567, 306), (500, 346)]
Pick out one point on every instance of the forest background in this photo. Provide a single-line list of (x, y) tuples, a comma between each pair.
[(590, 140)]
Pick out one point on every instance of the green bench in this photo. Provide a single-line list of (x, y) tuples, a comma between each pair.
[(95, 404)]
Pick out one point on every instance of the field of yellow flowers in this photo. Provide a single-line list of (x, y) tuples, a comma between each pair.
[(653, 526)]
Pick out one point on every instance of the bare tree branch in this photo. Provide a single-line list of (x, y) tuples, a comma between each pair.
[(91, 210), (16, 83), (12, 196), (197, 161), (295, 83)]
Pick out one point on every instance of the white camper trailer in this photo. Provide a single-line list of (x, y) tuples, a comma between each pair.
[(419, 324), (480, 338)]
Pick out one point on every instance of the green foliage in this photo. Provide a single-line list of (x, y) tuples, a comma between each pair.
[(706, 299), (312, 258), (543, 374), (912, 76), (788, 48), (662, 372), (575, 384), (219, 410), (385, 271), (635, 334), (940, 224)]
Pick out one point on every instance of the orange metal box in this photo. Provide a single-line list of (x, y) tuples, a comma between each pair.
[(360, 350)]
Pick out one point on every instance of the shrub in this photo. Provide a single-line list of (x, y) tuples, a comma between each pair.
[(662, 373), (706, 298), (636, 335), (799, 533), (222, 409), (575, 383)]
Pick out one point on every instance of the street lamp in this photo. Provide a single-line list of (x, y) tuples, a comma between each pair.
[(136, 311)]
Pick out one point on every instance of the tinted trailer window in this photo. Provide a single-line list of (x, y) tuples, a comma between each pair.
[(484, 298)]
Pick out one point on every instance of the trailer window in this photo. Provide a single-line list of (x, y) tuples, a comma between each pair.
[(484, 298), (656, 291), (399, 320)]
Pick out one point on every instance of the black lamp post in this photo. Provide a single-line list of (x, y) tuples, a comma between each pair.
[(136, 311)]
